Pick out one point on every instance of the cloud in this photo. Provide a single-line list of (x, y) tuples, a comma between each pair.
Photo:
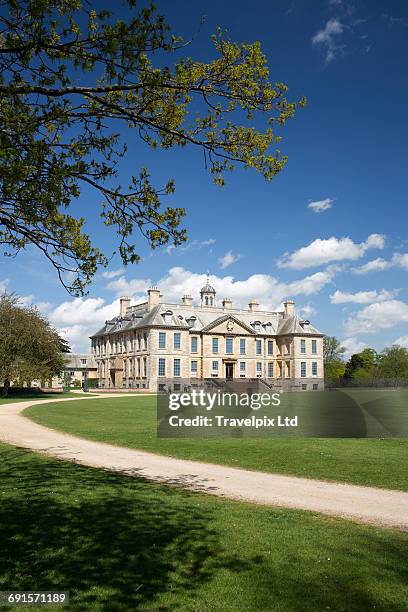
[(320, 206), (327, 37), (325, 251), (228, 259), (307, 311), (112, 273), (378, 316), (402, 341), (192, 245), (375, 265), (362, 297), (132, 288), (352, 345), (77, 319), (398, 260), (3, 284)]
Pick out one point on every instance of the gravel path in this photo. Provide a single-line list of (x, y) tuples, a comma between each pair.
[(379, 507)]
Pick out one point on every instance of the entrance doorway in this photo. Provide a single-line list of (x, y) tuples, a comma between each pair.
[(229, 371)]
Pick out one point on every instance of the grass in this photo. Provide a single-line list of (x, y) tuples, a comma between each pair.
[(118, 543), (131, 422), (25, 397)]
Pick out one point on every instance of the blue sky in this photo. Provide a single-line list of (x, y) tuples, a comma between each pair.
[(329, 231)]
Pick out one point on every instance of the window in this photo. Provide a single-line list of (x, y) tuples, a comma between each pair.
[(162, 340), (304, 387), (256, 325), (176, 367), (242, 346), (314, 368), (270, 347), (259, 367), (162, 367), (303, 369), (259, 347), (270, 369), (229, 345), (191, 321), (314, 347), (215, 366), (83, 361), (194, 344), (315, 387), (194, 367), (303, 346), (167, 316), (215, 345), (242, 367), (177, 341)]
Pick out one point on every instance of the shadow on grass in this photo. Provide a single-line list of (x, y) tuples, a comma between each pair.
[(113, 542)]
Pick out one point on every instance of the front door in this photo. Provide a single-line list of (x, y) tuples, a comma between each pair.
[(229, 371)]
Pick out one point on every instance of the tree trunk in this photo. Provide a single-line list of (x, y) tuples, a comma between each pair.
[(6, 388)]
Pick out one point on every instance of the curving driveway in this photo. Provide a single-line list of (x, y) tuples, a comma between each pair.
[(379, 507)]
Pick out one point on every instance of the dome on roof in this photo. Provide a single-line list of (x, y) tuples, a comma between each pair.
[(207, 288)]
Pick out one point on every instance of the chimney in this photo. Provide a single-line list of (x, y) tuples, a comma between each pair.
[(253, 305), (289, 306), (187, 300), (227, 303), (154, 296), (124, 305)]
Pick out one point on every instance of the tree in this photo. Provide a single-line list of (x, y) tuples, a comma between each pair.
[(332, 349), (362, 365), (30, 348), (393, 363), (70, 77), (333, 358)]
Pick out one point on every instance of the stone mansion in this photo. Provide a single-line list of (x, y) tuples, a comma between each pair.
[(155, 344)]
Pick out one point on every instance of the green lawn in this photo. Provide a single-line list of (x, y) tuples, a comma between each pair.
[(131, 421), (25, 397), (118, 543)]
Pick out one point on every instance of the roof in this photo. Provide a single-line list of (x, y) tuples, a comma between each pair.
[(196, 318), (74, 360)]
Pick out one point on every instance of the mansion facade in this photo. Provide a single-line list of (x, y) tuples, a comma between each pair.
[(154, 345)]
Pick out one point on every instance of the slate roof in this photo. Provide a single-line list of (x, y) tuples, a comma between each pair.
[(180, 316), (73, 360)]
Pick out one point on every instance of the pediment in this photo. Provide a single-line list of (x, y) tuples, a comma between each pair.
[(228, 324)]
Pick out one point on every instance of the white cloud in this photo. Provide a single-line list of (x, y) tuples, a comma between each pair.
[(402, 341), (327, 37), (378, 316), (363, 297), (192, 245), (77, 319), (375, 265), (352, 345), (112, 273), (3, 284), (132, 288), (324, 251), (319, 206), (228, 259), (307, 311), (398, 260)]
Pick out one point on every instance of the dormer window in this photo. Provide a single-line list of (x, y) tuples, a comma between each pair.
[(268, 327), (191, 321), (167, 316), (256, 325)]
